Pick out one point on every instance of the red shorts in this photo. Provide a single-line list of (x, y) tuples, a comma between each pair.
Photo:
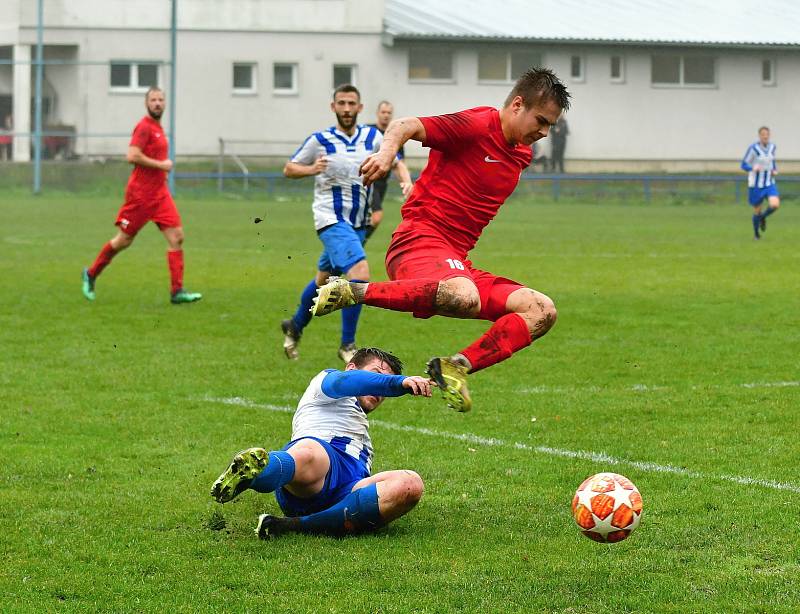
[(136, 212), (430, 256)]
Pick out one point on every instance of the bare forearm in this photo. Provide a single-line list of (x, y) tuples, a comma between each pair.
[(293, 170), (400, 131), (403, 175)]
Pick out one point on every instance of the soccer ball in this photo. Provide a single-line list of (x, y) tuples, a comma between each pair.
[(607, 507)]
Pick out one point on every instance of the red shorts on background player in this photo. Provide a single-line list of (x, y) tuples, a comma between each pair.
[(147, 199), (475, 162)]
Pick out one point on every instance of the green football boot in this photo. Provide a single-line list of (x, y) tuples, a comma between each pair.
[(182, 296), (245, 466), (336, 294), (88, 285), (451, 378)]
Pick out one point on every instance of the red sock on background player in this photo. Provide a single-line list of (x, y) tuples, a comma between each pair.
[(175, 262), (102, 261)]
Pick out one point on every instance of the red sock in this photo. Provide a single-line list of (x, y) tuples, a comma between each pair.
[(417, 295), (175, 261), (102, 261), (507, 335)]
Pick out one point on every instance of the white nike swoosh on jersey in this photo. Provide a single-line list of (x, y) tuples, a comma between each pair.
[(488, 159)]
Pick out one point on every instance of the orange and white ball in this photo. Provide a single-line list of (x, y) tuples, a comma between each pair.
[(607, 507)]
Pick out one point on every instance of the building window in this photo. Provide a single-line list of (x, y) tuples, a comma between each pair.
[(768, 72), (430, 65), (133, 76), (576, 69), (683, 71), (284, 78), (617, 69), (344, 74), (505, 67), (244, 78)]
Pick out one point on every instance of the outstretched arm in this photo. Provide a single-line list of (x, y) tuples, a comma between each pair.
[(397, 134), (356, 383)]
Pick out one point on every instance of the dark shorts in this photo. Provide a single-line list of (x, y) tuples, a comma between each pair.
[(345, 471), (429, 256), (378, 194), (135, 213), (343, 247), (757, 195)]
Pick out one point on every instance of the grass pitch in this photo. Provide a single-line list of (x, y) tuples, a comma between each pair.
[(674, 361)]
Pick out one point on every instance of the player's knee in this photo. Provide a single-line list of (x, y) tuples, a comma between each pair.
[(121, 242), (542, 315), (360, 271), (461, 299), (304, 458), (411, 489)]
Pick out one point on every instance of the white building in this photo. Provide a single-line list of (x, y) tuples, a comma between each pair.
[(668, 85)]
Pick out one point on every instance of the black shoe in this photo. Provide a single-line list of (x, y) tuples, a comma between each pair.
[(763, 223), (272, 526), (291, 339)]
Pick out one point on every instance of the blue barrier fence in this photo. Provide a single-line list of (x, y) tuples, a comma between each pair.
[(558, 185)]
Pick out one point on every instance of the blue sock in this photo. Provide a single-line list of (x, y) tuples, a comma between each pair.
[(756, 222), (769, 211), (350, 317), (302, 316), (278, 472), (357, 512)]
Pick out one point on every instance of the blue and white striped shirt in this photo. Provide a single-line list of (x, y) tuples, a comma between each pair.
[(339, 195), (329, 409), (762, 156)]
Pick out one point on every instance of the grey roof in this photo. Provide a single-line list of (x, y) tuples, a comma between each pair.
[(692, 22)]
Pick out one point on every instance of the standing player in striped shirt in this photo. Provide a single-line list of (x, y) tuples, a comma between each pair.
[(475, 163), (759, 162), (322, 477), (147, 199), (333, 156)]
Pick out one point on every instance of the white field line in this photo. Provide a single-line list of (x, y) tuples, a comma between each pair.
[(649, 387), (596, 457)]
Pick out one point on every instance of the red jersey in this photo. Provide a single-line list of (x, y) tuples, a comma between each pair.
[(470, 173), (146, 183)]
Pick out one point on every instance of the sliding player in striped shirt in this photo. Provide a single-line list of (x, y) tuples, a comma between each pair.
[(333, 156), (322, 478), (759, 162)]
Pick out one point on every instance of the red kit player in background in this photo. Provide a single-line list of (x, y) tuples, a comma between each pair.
[(147, 198), (475, 162)]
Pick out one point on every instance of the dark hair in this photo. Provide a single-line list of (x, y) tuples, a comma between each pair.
[(364, 355), (152, 88), (346, 87), (539, 85), (764, 128)]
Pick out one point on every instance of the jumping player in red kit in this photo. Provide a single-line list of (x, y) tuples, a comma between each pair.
[(147, 198), (475, 162)]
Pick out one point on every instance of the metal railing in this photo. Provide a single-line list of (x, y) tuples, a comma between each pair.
[(645, 186)]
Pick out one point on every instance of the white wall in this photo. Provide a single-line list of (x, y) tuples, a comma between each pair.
[(238, 15), (609, 122)]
